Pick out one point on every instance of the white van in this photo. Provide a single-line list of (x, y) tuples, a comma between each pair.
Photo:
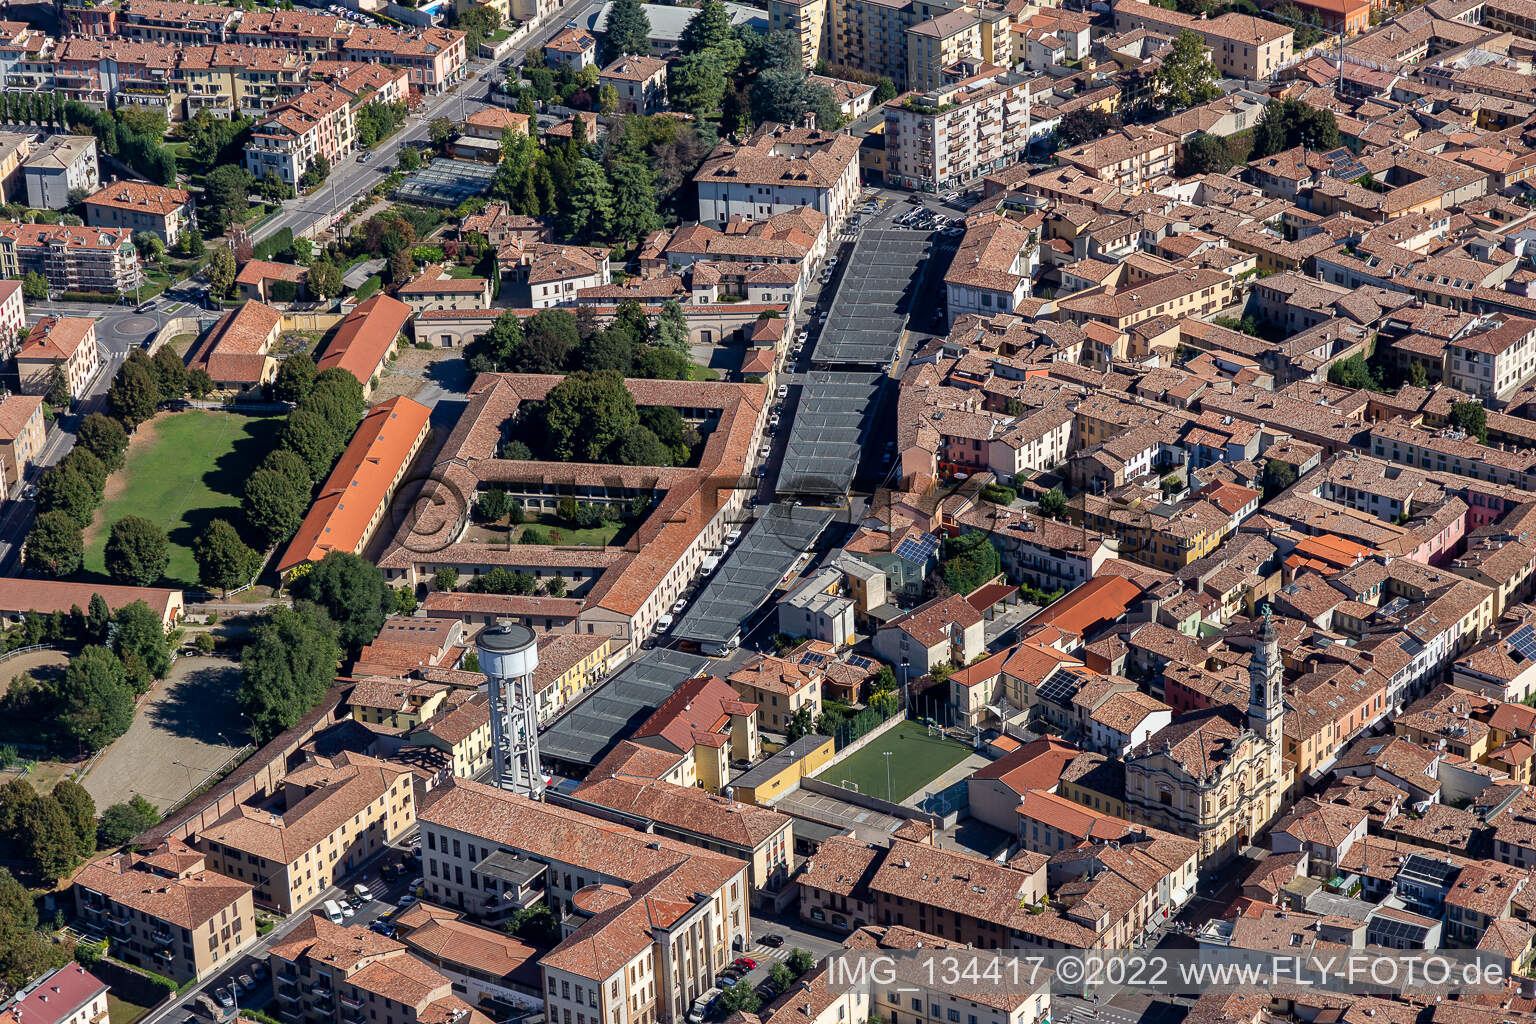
[(333, 912), (732, 537), (711, 563), (362, 892), (663, 624)]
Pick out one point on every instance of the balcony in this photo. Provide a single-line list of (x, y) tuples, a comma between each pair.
[(165, 955), (322, 990), (288, 992), (352, 1001), (162, 935)]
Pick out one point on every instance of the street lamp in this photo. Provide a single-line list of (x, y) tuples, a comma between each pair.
[(887, 754)]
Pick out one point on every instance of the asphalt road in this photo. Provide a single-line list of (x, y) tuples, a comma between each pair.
[(352, 177)]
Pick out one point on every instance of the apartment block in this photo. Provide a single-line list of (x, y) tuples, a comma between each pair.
[(320, 122), (140, 206), (330, 816), (63, 164), (957, 131), (323, 973), (780, 169), (167, 910), (22, 433), (67, 343), (1242, 45), (939, 43), (71, 258), (652, 919)]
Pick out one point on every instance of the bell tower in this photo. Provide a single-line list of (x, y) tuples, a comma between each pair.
[(1266, 717)]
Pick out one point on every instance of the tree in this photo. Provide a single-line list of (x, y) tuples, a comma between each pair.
[(80, 809), (273, 506), (589, 211), (402, 267), (410, 159), (135, 394), (88, 466), (65, 488), (1471, 418), (199, 383), (780, 976), (672, 328), (290, 467), (709, 31), (352, 592), (25, 952), (639, 446), (1205, 154), (885, 90), (141, 643), (55, 546), (492, 505), (324, 279), (170, 374), (295, 376), (440, 130), (634, 201), (1353, 372), (629, 31), (58, 394), (105, 438), (149, 246), (97, 620), (287, 668), (695, 83), (346, 390), (136, 552), (1084, 125), (319, 169), (1187, 78), (1289, 123), (309, 436), (34, 286), (799, 961), (121, 822), (970, 561), (535, 924), (446, 578), (226, 198), (605, 350), (802, 723), (223, 559), (221, 271), (555, 586), (94, 699), (740, 996), (1053, 504), (586, 413), (1277, 477), (50, 838)]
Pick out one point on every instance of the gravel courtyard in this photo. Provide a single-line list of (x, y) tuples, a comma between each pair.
[(191, 718)]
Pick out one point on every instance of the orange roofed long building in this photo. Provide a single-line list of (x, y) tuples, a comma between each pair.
[(366, 339), (357, 493)]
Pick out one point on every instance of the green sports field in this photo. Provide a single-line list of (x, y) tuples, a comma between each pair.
[(183, 471), (917, 758)]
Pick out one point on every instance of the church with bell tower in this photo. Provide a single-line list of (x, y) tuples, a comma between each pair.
[(1218, 775)]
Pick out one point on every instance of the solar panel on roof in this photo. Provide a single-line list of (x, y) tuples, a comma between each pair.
[(859, 661), (918, 550), (1523, 640), (1058, 687)]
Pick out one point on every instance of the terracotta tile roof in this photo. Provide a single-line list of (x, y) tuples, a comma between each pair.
[(257, 271), (236, 350), (491, 953), (366, 337), (695, 712), (634, 68), (348, 502), (335, 790), (1036, 765), (140, 197), (687, 808), (776, 155), (930, 624), (188, 901), (332, 945), (57, 337), (842, 866)]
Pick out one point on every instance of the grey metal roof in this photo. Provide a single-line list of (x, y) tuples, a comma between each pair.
[(751, 572), (827, 436), (869, 312), (765, 770), (583, 735), (667, 22)]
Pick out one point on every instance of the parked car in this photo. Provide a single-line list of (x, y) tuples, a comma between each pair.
[(764, 451), (680, 607), (772, 941), (363, 893), (226, 998), (783, 391), (259, 968), (247, 983), (746, 963)]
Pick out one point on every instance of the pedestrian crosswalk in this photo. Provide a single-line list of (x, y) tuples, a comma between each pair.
[(769, 955)]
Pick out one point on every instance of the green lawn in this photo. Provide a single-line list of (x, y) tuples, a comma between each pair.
[(121, 1011), (553, 527), (917, 758), (191, 471)]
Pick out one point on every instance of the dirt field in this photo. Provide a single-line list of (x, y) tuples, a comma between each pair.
[(34, 662), (191, 718)]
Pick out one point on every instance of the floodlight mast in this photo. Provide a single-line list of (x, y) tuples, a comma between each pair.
[(508, 655)]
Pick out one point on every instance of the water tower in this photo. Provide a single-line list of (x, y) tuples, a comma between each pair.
[(508, 656)]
